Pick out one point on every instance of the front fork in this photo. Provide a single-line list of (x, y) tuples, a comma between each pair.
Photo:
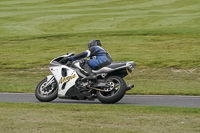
[(50, 80)]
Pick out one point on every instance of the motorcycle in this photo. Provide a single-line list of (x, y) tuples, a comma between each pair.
[(67, 82)]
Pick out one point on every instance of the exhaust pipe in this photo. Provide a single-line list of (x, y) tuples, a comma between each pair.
[(129, 87)]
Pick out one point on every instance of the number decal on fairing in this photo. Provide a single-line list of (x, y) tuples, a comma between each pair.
[(67, 79)]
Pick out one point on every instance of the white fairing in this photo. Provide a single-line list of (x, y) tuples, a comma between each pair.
[(70, 79), (49, 77)]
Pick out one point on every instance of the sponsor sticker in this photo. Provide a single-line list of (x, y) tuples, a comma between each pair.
[(67, 79)]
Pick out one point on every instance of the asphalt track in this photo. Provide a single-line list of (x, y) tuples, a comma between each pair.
[(150, 100)]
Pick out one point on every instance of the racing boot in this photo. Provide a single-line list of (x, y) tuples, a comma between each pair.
[(91, 76)]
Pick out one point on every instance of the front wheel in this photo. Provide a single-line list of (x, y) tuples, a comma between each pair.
[(115, 92), (46, 93)]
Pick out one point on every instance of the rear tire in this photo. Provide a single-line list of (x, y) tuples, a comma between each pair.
[(117, 93), (46, 94)]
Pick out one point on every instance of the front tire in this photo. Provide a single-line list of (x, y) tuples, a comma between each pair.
[(46, 94), (117, 90)]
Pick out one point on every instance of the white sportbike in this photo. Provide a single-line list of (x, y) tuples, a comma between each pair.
[(67, 82)]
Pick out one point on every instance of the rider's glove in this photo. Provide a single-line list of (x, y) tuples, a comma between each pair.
[(65, 60)]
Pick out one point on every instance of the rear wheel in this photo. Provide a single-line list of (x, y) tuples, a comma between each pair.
[(115, 92), (46, 93)]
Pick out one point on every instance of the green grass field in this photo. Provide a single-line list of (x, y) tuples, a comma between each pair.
[(77, 118), (162, 37)]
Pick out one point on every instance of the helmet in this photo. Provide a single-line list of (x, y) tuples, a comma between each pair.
[(98, 43), (94, 43)]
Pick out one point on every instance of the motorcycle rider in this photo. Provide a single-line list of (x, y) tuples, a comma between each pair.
[(99, 58)]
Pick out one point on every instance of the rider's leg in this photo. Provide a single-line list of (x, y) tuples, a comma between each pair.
[(87, 68)]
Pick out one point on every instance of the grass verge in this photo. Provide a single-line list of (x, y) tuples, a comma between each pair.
[(45, 117), (147, 81)]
